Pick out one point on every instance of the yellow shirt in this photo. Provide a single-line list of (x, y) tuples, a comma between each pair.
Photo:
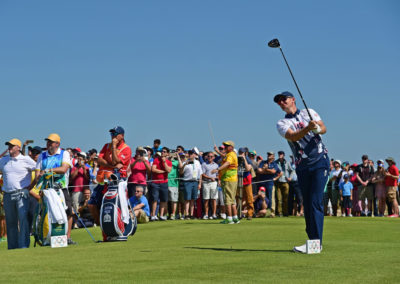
[(230, 174), (34, 189)]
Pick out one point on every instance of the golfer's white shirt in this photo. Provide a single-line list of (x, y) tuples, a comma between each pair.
[(17, 172)]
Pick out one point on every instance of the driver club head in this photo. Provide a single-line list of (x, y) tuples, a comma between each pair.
[(274, 43)]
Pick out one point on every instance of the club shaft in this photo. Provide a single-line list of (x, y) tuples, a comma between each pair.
[(80, 220), (294, 80)]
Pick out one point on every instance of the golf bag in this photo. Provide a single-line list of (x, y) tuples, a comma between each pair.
[(116, 222), (50, 218)]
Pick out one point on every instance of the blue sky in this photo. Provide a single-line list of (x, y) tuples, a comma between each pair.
[(163, 69)]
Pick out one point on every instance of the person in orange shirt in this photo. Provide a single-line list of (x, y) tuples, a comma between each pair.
[(113, 158)]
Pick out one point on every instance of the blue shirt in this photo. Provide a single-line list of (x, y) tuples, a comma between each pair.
[(268, 177), (143, 200), (346, 188)]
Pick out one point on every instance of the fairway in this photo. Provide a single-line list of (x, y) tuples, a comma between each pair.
[(355, 250)]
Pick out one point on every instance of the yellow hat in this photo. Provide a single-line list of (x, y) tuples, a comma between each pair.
[(229, 143), (14, 142), (54, 137)]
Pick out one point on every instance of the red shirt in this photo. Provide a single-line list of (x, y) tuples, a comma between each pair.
[(139, 172), (124, 153), (160, 178), (80, 182), (389, 181)]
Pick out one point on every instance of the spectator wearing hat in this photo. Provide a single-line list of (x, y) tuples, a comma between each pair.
[(114, 157), (261, 201), (268, 172), (346, 188), (79, 180), (191, 174), (17, 171), (356, 204), (391, 182), (140, 171), (229, 179), (365, 173), (210, 185), (173, 182), (378, 179), (282, 185), (159, 187), (34, 197), (56, 162)]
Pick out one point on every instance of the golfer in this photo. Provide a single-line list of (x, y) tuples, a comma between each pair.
[(311, 159)]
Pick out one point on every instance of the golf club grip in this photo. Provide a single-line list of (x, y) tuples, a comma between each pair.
[(294, 80)]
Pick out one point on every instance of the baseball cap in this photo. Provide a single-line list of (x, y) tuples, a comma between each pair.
[(82, 154), (285, 94), (262, 188), (253, 152), (35, 149), (270, 153), (14, 142), (346, 176), (364, 157), (54, 137), (390, 159), (354, 165), (77, 149), (345, 164), (229, 143), (117, 130), (242, 150), (338, 161)]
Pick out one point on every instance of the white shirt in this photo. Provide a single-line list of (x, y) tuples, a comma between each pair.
[(192, 171), (17, 172)]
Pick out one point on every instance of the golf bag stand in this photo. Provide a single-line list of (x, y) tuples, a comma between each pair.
[(111, 223)]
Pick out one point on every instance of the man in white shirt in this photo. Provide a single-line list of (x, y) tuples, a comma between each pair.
[(17, 171)]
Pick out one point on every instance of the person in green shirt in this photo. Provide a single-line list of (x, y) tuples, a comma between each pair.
[(173, 183)]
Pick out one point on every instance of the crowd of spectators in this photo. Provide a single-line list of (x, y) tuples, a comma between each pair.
[(179, 183)]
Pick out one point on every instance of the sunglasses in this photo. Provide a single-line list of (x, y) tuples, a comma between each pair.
[(137, 191), (282, 100), (113, 134)]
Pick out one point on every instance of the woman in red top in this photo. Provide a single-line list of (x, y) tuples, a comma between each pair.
[(392, 176), (140, 170)]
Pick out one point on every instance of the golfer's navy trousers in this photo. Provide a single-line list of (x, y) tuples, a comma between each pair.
[(312, 181)]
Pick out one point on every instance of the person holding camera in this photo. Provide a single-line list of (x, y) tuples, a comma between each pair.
[(245, 165), (173, 182), (140, 171), (191, 171), (80, 178)]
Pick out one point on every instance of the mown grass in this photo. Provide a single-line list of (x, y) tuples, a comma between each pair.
[(356, 250)]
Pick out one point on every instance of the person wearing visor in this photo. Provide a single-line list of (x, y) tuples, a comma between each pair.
[(56, 162), (17, 170), (114, 157), (311, 158)]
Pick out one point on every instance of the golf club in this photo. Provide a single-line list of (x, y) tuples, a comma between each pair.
[(80, 220), (274, 43)]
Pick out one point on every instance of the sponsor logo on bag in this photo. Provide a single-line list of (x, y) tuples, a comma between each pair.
[(107, 218)]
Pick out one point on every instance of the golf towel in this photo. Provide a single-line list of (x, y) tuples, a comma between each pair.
[(56, 206), (122, 186)]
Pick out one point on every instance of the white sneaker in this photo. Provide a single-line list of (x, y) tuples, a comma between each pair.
[(205, 217), (350, 215), (163, 218), (223, 216), (214, 217), (210, 218), (301, 249)]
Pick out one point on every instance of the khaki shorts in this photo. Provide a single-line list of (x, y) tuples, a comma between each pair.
[(366, 192), (391, 193), (229, 188), (142, 217)]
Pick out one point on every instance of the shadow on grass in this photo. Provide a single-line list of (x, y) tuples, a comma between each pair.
[(241, 250)]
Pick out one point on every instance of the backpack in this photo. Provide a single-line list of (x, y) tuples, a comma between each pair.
[(111, 223), (43, 225)]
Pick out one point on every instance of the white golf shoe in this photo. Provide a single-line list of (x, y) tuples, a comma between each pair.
[(301, 249)]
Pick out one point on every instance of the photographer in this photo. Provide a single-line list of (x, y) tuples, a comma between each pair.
[(173, 183), (191, 172), (140, 170), (245, 164), (80, 178)]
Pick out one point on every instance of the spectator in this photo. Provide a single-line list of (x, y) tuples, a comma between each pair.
[(364, 175), (268, 173), (34, 197), (245, 165), (159, 187), (380, 188), (140, 171), (80, 178), (191, 171), (173, 183), (391, 182), (140, 205), (181, 198), (57, 162), (228, 176), (282, 185), (356, 210), (334, 179), (157, 146), (210, 185), (17, 171), (295, 205), (3, 230), (84, 211), (261, 202), (346, 189), (114, 157)]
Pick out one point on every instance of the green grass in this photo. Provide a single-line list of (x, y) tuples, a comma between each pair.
[(356, 250)]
